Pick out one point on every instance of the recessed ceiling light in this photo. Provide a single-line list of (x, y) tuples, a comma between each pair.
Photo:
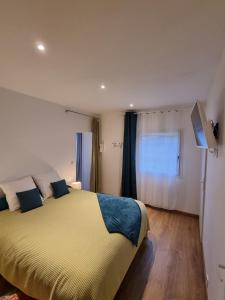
[(41, 47), (131, 105), (102, 86)]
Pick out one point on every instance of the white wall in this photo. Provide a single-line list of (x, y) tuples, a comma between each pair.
[(112, 131), (36, 135), (189, 200), (214, 219)]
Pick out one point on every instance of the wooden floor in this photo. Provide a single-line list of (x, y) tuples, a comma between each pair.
[(177, 272)]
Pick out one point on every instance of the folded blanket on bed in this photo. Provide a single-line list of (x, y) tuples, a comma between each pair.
[(121, 215)]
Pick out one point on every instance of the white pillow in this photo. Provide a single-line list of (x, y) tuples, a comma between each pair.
[(43, 181), (12, 187)]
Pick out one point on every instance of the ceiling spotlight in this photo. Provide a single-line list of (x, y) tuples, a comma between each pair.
[(41, 47), (131, 105), (102, 86)]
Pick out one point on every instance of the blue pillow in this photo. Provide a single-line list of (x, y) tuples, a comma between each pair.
[(29, 200), (3, 204), (60, 188)]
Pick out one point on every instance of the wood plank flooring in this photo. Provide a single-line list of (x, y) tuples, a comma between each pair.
[(177, 272)]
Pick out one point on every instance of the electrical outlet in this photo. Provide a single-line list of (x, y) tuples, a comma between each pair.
[(207, 280), (101, 147)]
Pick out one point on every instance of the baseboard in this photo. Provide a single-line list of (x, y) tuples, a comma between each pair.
[(174, 211)]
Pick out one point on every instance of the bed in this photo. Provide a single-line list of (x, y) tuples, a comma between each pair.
[(64, 251)]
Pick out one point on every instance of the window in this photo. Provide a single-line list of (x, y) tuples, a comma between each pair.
[(160, 153)]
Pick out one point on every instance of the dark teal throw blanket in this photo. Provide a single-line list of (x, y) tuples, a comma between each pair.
[(121, 215)]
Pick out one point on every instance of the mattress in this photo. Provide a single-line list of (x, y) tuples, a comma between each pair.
[(64, 251)]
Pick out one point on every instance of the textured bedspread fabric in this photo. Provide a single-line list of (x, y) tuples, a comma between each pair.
[(121, 214), (63, 251)]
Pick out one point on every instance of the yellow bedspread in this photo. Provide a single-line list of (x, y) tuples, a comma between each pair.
[(63, 250)]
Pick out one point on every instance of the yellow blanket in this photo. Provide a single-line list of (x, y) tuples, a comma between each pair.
[(63, 251)]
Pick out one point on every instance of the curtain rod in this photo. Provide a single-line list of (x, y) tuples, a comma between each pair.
[(78, 113), (157, 111), (162, 110), (151, 112)]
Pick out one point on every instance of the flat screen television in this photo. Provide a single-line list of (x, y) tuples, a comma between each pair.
[(203, 129)]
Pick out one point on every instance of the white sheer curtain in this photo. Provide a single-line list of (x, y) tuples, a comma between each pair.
[(158, 158)]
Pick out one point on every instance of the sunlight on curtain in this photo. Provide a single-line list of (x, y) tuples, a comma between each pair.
[(159, 153), (158, 158)]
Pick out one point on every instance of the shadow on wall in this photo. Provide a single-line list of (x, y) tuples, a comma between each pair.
[(14, 167), (221, 120)]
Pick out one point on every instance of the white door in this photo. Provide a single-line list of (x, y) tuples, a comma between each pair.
[(202, 192), (86, 159)]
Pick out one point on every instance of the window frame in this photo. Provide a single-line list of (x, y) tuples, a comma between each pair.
[(167, 133)]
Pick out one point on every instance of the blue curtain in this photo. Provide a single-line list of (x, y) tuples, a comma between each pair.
[(79, 157), (129, 188)]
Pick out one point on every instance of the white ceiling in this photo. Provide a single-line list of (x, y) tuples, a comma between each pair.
[(147, 52)]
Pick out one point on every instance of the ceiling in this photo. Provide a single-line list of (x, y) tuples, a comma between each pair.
[(147, 52)]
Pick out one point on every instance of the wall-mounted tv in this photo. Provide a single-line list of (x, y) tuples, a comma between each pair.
[(203, 129)]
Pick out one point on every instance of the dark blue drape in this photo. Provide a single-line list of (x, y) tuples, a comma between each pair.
[(129, 188), (79, 157)]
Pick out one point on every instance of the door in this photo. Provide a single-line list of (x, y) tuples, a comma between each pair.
[(202, 192), (84, 158)]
